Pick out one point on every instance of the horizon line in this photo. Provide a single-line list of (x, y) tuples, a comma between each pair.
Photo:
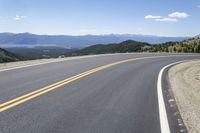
[(43, 34)]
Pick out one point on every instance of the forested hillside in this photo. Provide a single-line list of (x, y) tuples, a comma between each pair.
[(123, 47), (187, 46), (6, 56)]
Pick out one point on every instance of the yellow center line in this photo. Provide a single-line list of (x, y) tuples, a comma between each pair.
[(39, 90), (21, 99)]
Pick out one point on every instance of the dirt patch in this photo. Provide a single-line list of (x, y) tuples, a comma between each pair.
[(185, 82)]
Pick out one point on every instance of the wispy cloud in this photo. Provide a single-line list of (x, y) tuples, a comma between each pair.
[(178, 15), (172, 17), (198, 6), (167, 20), (152, 17), (18, 17)]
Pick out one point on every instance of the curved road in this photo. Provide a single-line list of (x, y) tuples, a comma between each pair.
[(118, 99)]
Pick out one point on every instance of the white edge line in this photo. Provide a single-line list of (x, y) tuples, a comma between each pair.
[(164, 124)]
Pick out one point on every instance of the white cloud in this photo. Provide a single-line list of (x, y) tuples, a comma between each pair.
[(167, 20), (178, 15), (152, 17), (18, 17), (173, 17)]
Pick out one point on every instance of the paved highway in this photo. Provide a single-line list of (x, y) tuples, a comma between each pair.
[(81, 96)]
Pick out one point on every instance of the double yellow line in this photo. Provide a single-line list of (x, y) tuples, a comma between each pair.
[(21, 99)]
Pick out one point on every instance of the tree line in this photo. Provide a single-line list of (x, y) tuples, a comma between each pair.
[(189, 46)]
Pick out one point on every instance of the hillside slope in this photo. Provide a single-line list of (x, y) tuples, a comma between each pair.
[(188, 46), (6, 56), (123, 47), (39, 52)]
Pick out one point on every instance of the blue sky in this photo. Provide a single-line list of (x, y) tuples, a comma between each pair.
[(79, 17)]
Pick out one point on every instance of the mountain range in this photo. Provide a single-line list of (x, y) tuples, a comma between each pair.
[(31, 40)]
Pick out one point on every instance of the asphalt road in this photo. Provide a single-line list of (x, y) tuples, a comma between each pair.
[(118, 99)]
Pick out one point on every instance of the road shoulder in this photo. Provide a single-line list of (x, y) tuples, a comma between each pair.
[(184, 80)]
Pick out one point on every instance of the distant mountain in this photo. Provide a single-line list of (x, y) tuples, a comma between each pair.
[(123, 47), (6, 56), (27, 39)]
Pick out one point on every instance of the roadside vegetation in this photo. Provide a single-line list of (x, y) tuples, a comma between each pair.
[(188, 46)]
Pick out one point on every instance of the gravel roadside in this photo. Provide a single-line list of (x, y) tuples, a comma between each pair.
[(184, 79)]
